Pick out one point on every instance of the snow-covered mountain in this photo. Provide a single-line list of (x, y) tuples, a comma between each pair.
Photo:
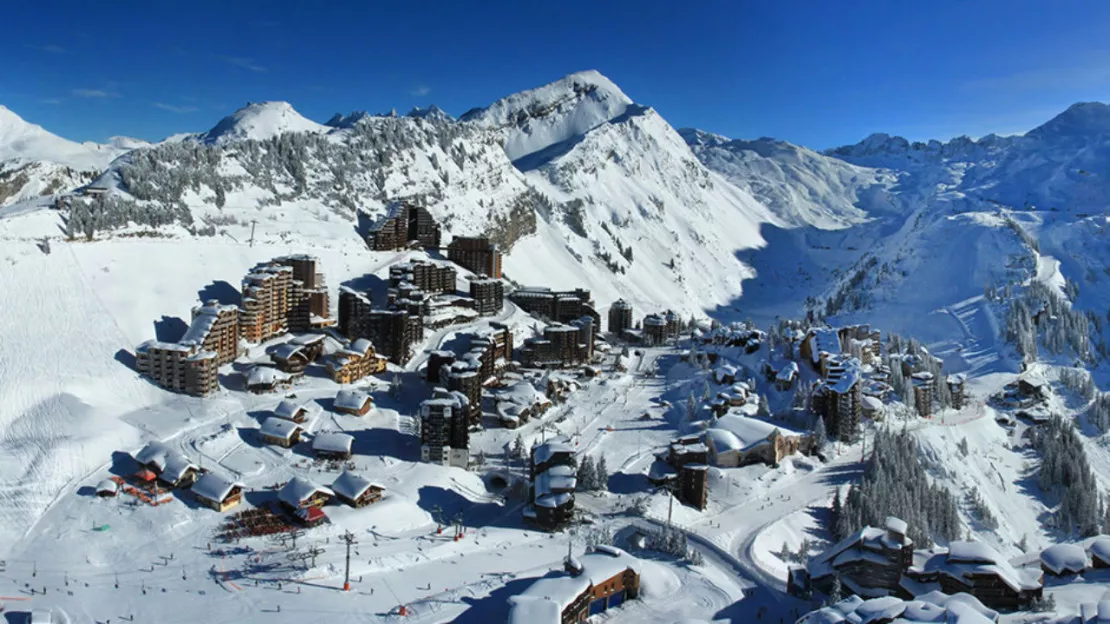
[(259, 121), (34, 162)]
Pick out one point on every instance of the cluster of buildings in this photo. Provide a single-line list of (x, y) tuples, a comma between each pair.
[(876, 562), (555, 306), (404, 223), (654, 329), (445, 429), (561, 345), (285, 294), (554, 477), (684, 469), (599, 580)]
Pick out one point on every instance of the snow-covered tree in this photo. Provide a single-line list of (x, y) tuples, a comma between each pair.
[(763, 411), (601, 475), (820, 436), (518, 451), (587, 477)]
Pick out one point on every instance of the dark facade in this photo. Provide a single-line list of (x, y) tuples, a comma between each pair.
[(488, 295), (693, 485), (436, 361), (466, 379), (557, 306), (402, 223), (426, 276), (476, 254), (308, 301), (354, 314), (620, 317), (444, 430)]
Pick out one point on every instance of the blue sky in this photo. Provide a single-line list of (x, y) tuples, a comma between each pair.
[(818, 73)]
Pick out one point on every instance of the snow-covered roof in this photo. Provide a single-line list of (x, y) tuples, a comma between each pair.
[(350, 485), (932, 607), (547, 450), (871, 403), (360, 347), (107, 485), (543, 601), (265, 376), (351, 399), (843, 374), (299, 489), (288, 409), (824, 340), (1064, 558), (964, 558), (154, 453), (308, 339), (555, 480), (275, 427), (554, 500), (897, 525), (176, 467), (213, 487), (736, 432), (333, 442), (1100, 547), (787, 372), (286, 350), (605, 562), (962, 551), (164, 346)]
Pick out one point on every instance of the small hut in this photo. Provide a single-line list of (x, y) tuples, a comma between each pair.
[(290, 410), (300, 493), (332, 445), (216, 492), (107, 488), (353, 402), (355, 490), (280, 432)]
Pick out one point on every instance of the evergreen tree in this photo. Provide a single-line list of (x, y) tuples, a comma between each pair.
[(764, 411), (587, 477), (691, 407), (820, 437), (518, 448), (601, 475)]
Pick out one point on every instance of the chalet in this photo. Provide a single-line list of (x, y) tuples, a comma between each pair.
[(312, 345), (735, 440), (519, 402), (785, 377), (332, 445), (1100, 552), (979, 570), (353, 402), (170, 466), (216, 492), (280, 432), (107, 488), (291, 411), (355, 361), (262, 379), (289, 358), (602, 579), (868, 563), (300, 493), (1064, 560), (355, 490), (725, 375)]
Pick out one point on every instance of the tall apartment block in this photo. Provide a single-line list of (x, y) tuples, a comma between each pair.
[(354, 313), (267, 297), (429, 277), (923, 389), (476, 254), (556, 306), (464, 376), (444, 429), (215, 328), (404, 222), (308, 307), (488, 295), (179, 367), (620, 317), (393, 332), (654, 329)]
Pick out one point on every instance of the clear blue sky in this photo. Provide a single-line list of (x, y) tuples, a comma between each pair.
[(819, 73)]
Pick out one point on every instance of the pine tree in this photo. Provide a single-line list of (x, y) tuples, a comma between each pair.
[(691, 407), (764, 411), (835, 519), (820, 436), (518, 448), (587, 477), (601, 475)]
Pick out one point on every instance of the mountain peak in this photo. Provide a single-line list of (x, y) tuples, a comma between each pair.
[(695, 137), (538, 118), (433, 112), (1080, 120), (260, 120)]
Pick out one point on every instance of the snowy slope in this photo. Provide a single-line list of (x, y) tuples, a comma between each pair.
[(538, 118)]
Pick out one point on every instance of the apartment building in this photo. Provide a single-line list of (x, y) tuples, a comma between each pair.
[(180, 367), (476, 254), (444, 429), (309, 303), (620, 317), (488, 294), (215, 328), (267, 295), (402, 223)]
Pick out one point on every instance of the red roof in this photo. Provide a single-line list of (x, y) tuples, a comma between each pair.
[(311, 515), (145, 475)]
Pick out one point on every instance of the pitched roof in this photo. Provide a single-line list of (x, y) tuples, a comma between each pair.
[(275, 427), (333, 442), (213, 487), (351, 399), (288, 409), (1062, 558), (176, 467), (286, 351), (547, 450), (299, 490), (350, 485)]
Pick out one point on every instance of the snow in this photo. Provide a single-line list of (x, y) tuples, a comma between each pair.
[(735, 432), (1064, 558), (276, 427), (288, 409), (351, 486), (260, 120), (350, 399), (332, 443), (25, 142), (299, 490), (213, 487), (1100, 547)]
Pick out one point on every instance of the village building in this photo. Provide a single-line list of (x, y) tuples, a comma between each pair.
[(1064, 560), (602, 579), (430, 277), (736, 440), (280, 432), (185, 368), (684, 471), (554, 479), (620, 317), (107, 488), (923, 391), (216, 492), (267, 296), (354, 313), (437, 360), (169, 465), (561, 346), (353, 402), (354, 361), (263, 379), (654, 328), (1099, 549), (312, 345), (868, 563), (786, 376), (289, 358), (395, 332), (868, 341), (977, 569), (555, 306), (488, 294), (956, 388), (401, 224), (519, 402), (308, 304), (215, 328), (291, 411), (332, 445), (476, 254), (300, 493), (838, 399), (444, 430), (818, 345), (356, 491)]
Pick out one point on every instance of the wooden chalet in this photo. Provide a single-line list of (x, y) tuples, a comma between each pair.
[(300, 493), (332, 445), (600, 580), (355, 490), (312, 345), (280, 432), (289, 358), (292, 411), (168, 465), (216, 492), (353, 402), (107, 488), (263, 379), (1100, 552)]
